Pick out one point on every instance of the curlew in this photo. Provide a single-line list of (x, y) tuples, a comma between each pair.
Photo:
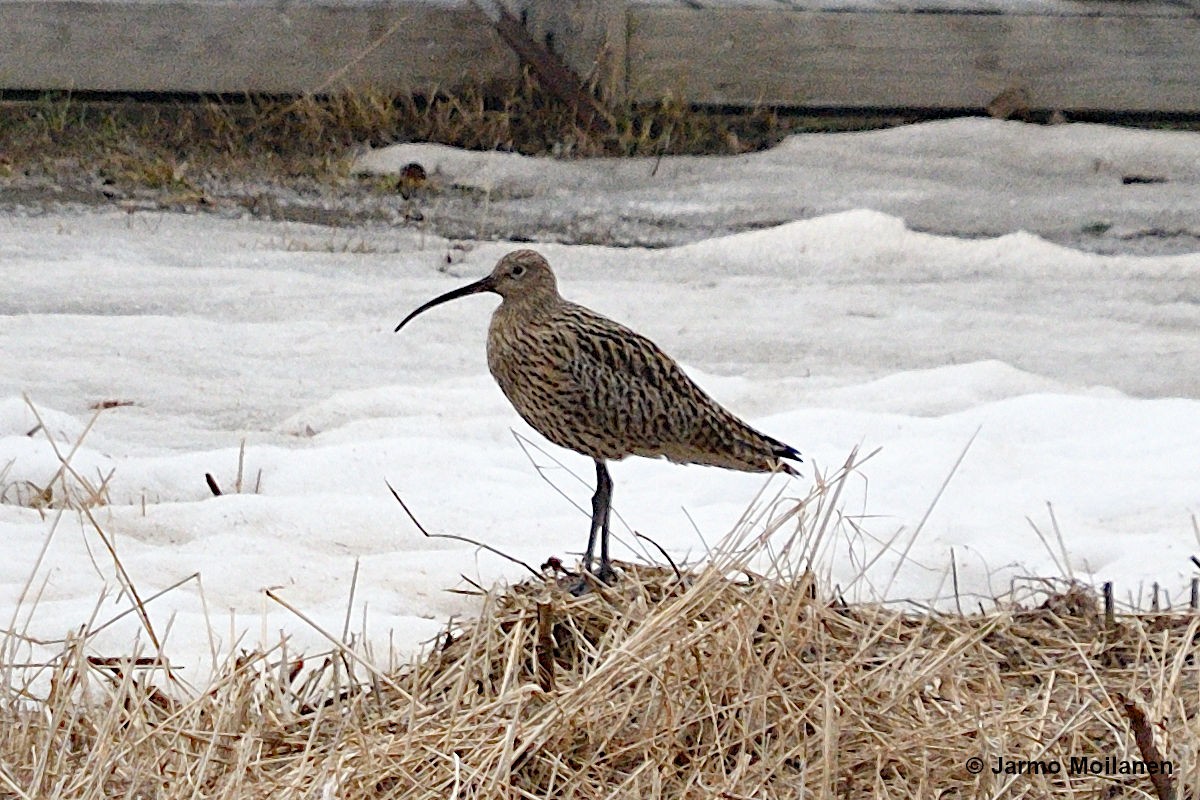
[(592, 385)]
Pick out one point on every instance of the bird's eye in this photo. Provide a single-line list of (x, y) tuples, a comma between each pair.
[(518, 271)]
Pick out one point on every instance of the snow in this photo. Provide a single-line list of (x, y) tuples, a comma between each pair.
[(1064, 380), (962, 177)]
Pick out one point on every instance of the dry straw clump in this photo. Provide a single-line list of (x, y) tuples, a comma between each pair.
[(718, 682)]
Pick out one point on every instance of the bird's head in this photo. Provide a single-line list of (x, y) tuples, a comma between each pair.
[(522, 276), (523, 273)]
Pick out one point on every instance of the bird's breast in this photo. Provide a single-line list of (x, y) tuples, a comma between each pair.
[(531, 363)]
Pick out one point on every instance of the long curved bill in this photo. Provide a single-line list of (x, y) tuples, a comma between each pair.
[(482, 285)]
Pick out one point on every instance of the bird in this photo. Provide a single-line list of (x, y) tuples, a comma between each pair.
[(412, 180), (594, 386)]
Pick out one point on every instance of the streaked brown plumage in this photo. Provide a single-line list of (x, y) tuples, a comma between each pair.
[(594, 386)]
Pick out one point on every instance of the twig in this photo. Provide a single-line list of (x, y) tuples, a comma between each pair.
[(954, 582), (478, 589), (457, 538), (1109, 612), (525, 445), (104, 405), (1062, 545), (102, 489), (545, 647), (126, 581), (118, 663), (237, 483), (659, 548), (350, 601), (696, 529), (195, 576), (929, 511), (554, 75), (9, 649), (1058, 564), (341, 648), (662, 151), (827, 505), (65, 467), (1143, 734)]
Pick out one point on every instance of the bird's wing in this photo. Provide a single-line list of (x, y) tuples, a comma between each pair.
[(630, 388), (634, 395)]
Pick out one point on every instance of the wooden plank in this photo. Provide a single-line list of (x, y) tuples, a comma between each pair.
[(1067, 8), (240, 46), (552, 73), (1078, 54), (743, 56), (588, 35)]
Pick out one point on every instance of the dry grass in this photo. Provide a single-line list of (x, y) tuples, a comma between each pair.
[(714, 682), (291, 159), (180, 145), (66, 487)]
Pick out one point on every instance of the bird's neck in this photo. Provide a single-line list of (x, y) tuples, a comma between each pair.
[(531, 307)]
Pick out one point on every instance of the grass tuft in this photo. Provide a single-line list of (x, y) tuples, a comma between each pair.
[(177, 144), (719, 681)]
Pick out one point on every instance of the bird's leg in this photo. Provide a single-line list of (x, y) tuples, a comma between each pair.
[(591, 547), (601, 506), (601, 503)]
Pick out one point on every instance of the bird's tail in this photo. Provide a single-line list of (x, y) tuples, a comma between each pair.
[(782, 451), (732, 444)]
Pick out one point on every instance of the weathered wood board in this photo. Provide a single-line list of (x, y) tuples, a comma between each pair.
[(239, 46), (1132, 62), (1136, 55)]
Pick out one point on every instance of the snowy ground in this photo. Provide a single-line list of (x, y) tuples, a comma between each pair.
[(1077, 371), (1084, 186)]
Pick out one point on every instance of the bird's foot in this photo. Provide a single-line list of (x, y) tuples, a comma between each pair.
[(606, 574), (590, 579)]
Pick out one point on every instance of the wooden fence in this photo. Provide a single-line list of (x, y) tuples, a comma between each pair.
[(1130, 55)]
